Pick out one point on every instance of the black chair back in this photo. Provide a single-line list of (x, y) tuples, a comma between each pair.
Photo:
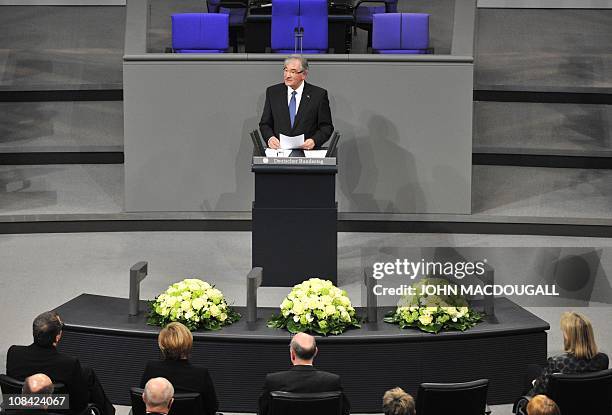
[(469, 398), (184, 403), (321, 403), (582, 393)]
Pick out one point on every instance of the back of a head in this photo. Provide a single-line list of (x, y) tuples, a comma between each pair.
[(398, 402), (304, 346), (37, 384), (175, 341), (542, 405), (45, 328), (578, 337), (158, 393)]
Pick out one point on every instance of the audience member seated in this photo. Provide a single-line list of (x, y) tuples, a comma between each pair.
[(175, 342), (542, 405), (398, 402), (302, 377), (38, 384), (580, 353), (158, 396), (42, 357)]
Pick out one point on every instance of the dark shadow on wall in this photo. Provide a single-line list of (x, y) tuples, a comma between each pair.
[(381, 181), (241, 198)]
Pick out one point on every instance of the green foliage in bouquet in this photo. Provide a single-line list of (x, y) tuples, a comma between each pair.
[(316, 306), (193, 302), (434, 313)]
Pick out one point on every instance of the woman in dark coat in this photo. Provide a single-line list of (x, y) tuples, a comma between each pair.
[(175, 342)]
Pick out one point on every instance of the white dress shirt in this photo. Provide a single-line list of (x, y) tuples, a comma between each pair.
[(298, 96)]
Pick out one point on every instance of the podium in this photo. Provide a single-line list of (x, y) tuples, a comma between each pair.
[(294, 229)]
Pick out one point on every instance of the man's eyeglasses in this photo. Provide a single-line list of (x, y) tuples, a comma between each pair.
[(291, 71)]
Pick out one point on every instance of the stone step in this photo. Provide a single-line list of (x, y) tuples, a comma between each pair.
[(543, 129), (79, 126)]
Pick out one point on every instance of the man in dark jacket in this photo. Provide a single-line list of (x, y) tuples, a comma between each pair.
[(296, 107), (158, 396), (42, 357), (302, 377)]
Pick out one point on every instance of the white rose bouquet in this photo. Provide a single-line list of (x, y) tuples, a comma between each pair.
[(316, 306), (193, 302), (433, 313)]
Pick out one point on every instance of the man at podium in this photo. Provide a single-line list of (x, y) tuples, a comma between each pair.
[(296, 107)]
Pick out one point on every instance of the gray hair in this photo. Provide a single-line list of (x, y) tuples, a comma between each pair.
[(304, 351), (158, 393), (303, 61)]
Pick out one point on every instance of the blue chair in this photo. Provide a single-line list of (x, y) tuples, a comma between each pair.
[(363, 15), (311, 15), (200, 33), (406, 33)]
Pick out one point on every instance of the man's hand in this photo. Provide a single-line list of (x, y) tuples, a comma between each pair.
[(273, 143), (308, 144)]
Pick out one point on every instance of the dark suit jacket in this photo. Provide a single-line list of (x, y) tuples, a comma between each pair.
[(185, 377), (24, 361), (313, 118), (301, 379)]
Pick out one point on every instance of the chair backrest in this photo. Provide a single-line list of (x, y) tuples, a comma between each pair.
[(364, 9), (212, 6), (184, 403), (314, 20), (311, 15), (391, 6), (322, 403), (200, 32), (469, 398), (9, 385), (400, 33), (582, 393)]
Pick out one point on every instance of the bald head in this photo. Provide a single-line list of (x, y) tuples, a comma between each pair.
[(303, 348), (37, 384), (157, 395)]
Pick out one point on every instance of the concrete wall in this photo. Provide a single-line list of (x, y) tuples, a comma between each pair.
[(406, 127)]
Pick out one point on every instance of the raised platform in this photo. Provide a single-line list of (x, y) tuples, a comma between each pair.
[(370, 360)]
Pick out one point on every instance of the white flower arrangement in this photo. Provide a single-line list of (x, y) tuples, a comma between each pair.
[(434, 313), (193, 302), (316, 306)]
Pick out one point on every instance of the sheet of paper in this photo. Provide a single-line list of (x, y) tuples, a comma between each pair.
[(290, 143), (277, 153), (315, 153)]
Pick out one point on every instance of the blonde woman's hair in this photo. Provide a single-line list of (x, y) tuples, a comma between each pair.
[(578, 338), (398, 402), (175, 341), (542, 405)]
